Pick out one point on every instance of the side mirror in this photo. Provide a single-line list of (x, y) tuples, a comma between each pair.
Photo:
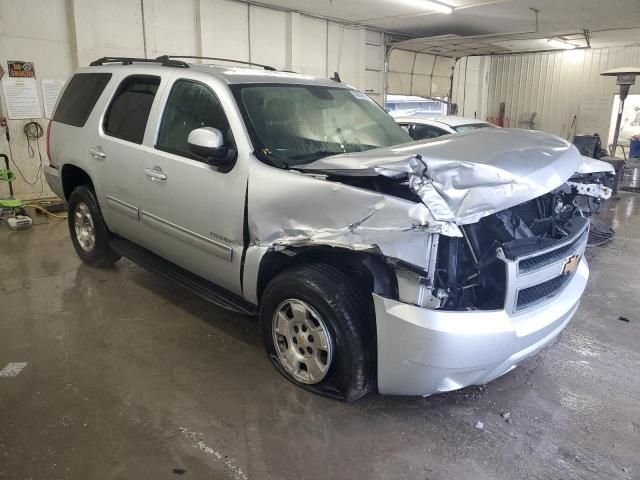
[(208, 143)]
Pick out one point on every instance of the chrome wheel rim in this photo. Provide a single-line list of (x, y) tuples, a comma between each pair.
[(302, 341), (83, 224)]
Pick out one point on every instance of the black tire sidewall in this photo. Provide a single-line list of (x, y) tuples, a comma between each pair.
[(101, 253), (350, 367)]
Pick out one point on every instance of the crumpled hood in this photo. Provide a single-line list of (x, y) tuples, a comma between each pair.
[(468, 176)]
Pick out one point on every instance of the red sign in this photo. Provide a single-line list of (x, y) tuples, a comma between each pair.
[(21, 69)]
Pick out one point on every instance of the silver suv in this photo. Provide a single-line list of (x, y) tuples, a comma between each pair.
[(372, 261)]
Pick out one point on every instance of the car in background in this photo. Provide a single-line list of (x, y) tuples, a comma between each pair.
[(423, 127)]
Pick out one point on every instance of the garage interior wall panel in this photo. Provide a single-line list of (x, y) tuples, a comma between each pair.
[(110, 28), (61, 35), (412, 73), (556, 86), (470, 78), (224, 26), (311, 43), (346, 54), (269, 37), (170, 27), (374, 65)]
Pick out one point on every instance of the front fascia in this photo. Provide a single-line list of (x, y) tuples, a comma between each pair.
[(423, 351)]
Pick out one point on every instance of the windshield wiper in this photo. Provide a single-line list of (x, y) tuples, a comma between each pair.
[(314, 155)]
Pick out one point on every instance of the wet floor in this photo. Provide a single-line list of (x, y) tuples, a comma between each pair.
[(127, 377)]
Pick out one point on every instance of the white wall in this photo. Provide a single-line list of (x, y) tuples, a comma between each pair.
[(558, 86), (60, 35), (469, 86)]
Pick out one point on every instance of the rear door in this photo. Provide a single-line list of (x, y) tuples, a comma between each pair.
[(73, 117), (115, 152), (193, 212)]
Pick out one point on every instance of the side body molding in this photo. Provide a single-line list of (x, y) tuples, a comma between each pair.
[(194, 239)]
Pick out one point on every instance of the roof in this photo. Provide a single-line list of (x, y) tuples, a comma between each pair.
[(255, 75), (229, 74)]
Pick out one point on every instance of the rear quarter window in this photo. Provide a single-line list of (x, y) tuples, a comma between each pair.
[(80, 97)]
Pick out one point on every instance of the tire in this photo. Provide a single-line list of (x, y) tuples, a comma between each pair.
[(333, 303), (91, 242)]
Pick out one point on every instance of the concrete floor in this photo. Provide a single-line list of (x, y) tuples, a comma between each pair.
[(129, 377)]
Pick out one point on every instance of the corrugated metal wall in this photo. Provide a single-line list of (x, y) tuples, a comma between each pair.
[(553, 84)]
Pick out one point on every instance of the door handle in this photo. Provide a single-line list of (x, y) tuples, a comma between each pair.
[(97, 153), (155, 174)]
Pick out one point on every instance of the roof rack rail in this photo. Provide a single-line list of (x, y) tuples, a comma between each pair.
[(165, 61), (241, 62)]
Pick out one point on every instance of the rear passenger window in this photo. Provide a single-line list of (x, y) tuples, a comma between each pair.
[(80, 97), (127, 115)]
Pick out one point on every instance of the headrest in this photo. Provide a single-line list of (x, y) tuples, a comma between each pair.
[(280, 110)]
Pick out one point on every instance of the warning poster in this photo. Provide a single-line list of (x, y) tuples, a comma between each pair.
[(21, 69), (20, 91)]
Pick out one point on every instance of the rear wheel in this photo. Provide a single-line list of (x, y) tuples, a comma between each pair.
[(317, 329), (88, 231)]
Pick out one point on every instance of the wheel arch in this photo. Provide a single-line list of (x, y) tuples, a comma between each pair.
[(369, 271), (72, 177)]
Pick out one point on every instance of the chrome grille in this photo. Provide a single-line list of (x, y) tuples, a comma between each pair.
[(536, 278), (528, 297), (535, 262)]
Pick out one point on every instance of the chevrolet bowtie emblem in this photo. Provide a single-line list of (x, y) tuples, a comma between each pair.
[(571, 264)]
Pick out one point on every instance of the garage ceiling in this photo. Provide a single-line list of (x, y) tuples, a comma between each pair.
[(611, 22)]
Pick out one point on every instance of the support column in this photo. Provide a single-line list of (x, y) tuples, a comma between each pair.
[(294, 36)]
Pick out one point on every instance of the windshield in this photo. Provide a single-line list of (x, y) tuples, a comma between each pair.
[(296, 124), (472, 126)]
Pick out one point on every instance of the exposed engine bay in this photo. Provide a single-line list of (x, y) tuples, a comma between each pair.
[(467, 273), (471, 271)]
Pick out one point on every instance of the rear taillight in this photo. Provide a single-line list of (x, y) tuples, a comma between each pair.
[(47, 142)]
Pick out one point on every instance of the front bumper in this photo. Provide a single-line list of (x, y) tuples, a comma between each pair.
[(423, 351), (54, 180)]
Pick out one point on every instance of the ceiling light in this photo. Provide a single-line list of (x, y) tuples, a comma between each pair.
[(560, 43), (432, 5), (438, 6)]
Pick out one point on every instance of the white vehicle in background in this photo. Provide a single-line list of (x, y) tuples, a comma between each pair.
[(423, 127)]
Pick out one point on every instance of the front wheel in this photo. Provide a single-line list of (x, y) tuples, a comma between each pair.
[(88, 231), (318, 331)]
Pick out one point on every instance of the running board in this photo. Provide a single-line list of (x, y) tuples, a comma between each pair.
[(195, 284)]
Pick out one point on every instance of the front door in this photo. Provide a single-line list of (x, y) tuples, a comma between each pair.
[(193, 213)]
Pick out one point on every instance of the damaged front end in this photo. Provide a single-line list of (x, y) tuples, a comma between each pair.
[(489, 206), (481, 234)]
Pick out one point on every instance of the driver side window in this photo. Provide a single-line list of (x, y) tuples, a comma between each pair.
[(190, 105)]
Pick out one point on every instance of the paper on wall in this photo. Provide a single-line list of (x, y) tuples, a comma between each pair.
[(50, 93), (21, 98)]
